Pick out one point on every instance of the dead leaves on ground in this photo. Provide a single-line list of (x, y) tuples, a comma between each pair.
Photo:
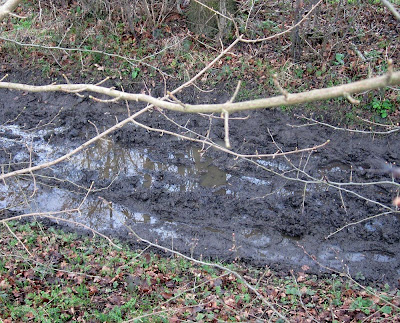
[(78, 279)]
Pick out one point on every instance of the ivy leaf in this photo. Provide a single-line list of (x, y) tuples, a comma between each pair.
[(135, 72), (386, 309)]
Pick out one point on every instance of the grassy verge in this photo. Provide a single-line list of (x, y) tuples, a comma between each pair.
[(47, 275)]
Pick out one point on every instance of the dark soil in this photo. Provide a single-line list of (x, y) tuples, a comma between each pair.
[(261, 216)]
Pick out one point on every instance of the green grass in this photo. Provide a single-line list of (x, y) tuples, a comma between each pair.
[(67, 277)]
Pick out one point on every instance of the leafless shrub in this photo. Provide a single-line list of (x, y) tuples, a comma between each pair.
[(154, 12)]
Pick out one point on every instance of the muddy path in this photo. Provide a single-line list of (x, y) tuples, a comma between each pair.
[(276, 212)]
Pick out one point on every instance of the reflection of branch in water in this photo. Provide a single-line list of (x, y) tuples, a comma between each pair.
[(76, 150)]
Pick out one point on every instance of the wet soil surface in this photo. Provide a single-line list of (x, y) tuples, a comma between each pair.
[(273, 211)]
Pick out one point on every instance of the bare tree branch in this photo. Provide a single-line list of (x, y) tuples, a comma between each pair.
[(391, 8), (230, 107), (8, 7)]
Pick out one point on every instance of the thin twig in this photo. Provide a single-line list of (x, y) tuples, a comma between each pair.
[(51, 215), (16, 237), (280, 88), (287, 30), (396, 129), (358, 222), (253, 289)]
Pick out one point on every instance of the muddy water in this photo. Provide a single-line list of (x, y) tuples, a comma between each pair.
[(109, 161), (209, 204)]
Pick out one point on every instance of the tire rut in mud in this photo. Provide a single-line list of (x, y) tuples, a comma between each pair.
[(214, 205)]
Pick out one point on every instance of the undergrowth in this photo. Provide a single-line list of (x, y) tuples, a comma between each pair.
[(343, 41), (48, 275)]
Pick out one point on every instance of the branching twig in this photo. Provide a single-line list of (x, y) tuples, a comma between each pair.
[(16, 237), (348, 276), (358, 222), (129, 60), (250, 287), (51, 215), (351, 99), (237, 155), (315, 122), (213, 10), (287, 30)]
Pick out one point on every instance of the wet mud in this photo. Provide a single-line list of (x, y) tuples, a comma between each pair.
[(276, 212)]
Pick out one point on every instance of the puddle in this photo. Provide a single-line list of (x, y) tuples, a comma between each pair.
[(194, 199), (280, 166), (383, 258), (213, 230), (251, 233), (95, 212), (374, 225), (165, 233), (256, 181), (355, 256), (261, 241), (13, 135), (335, 166), (110, 160)]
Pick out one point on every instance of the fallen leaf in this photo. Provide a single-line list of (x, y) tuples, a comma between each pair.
[(4, 284), (170, 284), (29, 315), (59, 274), (230, 302), (79, 279), (29, 274), (93, 290), (166, 295), (116, 299), (174, 319)]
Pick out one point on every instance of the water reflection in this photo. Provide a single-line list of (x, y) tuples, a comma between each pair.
[(109, 160)]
